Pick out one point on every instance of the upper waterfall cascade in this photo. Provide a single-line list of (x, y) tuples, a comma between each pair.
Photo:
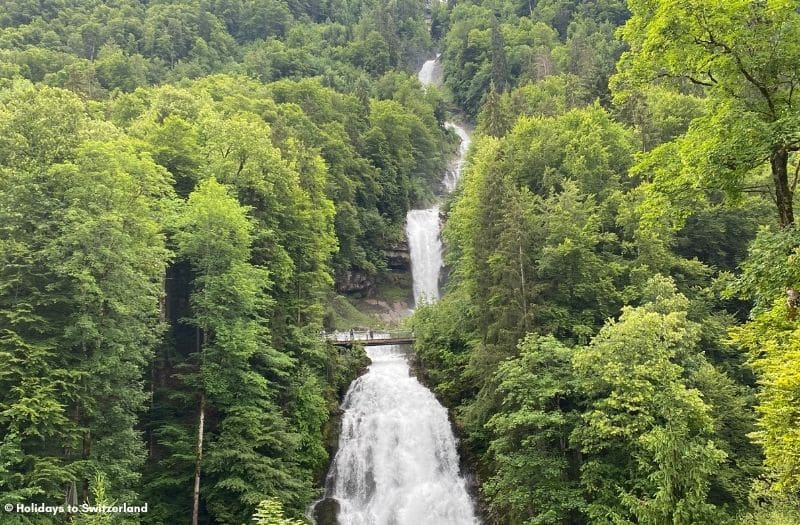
[(422, 226)]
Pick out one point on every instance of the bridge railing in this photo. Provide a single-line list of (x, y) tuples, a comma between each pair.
[(366, 335)]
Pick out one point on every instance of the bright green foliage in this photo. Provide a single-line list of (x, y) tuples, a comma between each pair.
[(270, 512), (96, 50), (769, 274), (443, 347), (648, 434), (746, 54), (82, 258), (546, 268), (583, 145), (659, 114), (100, 497), (657, 408), (210, 209), (288, 170), (294, 238), (576, 233), (550, 97), (773, 345), (551, 268)]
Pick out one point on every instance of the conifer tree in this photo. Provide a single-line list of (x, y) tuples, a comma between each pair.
[(234, 369)]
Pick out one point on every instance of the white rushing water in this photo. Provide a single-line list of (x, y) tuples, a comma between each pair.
[(422, 226), (425, 245), (453, 175), (397, 462), (430, 72)]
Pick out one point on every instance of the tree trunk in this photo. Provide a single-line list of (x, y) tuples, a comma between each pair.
[(202, 343), (197, 460), (783, 192), (523, 287)]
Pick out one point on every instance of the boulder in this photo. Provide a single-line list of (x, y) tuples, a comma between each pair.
[(326, 512)]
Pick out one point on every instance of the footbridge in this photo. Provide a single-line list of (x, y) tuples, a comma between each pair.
[(369, 338)]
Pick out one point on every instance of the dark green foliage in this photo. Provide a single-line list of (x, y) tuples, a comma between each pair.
[(95, 47), (534, 462), (380, 156), (510, 46), (114, 343)]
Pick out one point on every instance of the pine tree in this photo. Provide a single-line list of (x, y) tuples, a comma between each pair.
[(500, 73), (493, 120), (233, 369)]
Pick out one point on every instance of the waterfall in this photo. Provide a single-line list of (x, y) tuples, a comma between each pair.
[(422, 226), (430, 72), (397, 462), (422, 229), (453, 175)]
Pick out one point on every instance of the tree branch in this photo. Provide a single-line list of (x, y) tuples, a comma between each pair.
[(757, 189), (699, 82), (713, 42)]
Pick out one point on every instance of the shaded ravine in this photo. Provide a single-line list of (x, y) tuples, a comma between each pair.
[(397, 462)]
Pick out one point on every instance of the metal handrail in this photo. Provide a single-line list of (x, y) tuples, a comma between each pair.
[(364, 335)]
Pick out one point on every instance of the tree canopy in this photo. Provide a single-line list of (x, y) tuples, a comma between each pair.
[(188, 188)]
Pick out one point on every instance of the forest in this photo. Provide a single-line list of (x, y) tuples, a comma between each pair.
[(187, 188)]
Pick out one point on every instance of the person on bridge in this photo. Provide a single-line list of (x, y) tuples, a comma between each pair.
[(352, 334), (370, 333)]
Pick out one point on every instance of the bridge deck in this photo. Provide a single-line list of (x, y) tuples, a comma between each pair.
[(375, 342)]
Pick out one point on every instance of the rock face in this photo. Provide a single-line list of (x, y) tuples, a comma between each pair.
[(398, 257), (352, 281), (390, 312)]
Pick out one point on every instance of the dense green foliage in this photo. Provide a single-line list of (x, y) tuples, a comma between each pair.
[(104, 51), (509, 44), (622, 351), (181, 186)]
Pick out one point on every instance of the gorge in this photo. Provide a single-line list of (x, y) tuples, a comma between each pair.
[(397, 461)]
